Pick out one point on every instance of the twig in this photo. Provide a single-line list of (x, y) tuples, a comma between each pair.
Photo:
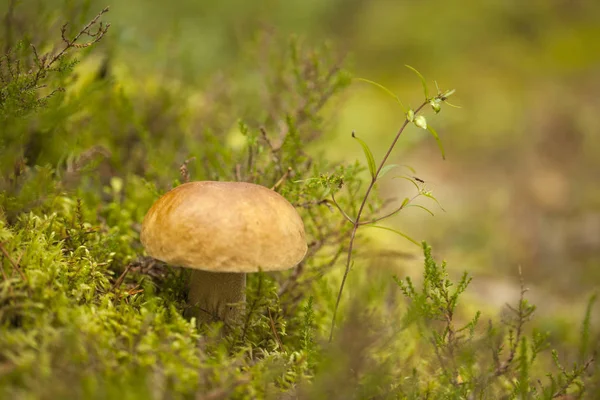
[(279, 343), (292, 282), (12, 262), (97, 36), (571, 377), (282, 179), (121, 278), (335, 203), (184, 171), (265, 137), (44, 65), (522, 317)]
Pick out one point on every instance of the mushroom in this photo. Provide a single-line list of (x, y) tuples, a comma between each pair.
[(222, 231)]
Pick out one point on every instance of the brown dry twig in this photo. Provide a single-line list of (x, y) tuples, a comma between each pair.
[(14, 264), (184, 171), (282, 179), (72, 43), (274, 149), (43, 64), (121, 278)]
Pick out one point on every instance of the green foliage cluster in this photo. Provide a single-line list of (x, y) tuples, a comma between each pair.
[(83, 314)]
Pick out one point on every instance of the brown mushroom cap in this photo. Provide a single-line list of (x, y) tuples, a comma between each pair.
[(224, 227)]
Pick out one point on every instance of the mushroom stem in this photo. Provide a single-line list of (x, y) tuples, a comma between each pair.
[(217, 296)]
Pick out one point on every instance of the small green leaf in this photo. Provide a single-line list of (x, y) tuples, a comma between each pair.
[(448, 93), (421, 122), (388, 91), (421, 207), (423, 82), (432, 197), (411, 169), (386, 169), (437, 139), (405, 236), (368, 154), (410, 180), (452, 105)]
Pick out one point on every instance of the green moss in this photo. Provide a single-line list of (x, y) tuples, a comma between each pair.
[(84, 314)]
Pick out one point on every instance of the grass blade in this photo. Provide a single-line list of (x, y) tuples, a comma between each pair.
[(437, 139), (368, 154), (388, 91), (404, 235), (386, 169), (410, 180), (423, 81), (432, 197), (421, 207)]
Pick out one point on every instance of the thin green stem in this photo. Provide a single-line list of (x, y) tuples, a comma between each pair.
[(397, 210), (357, 221), (340, 208)]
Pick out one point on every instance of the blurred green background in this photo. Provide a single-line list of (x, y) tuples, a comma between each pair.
[(520, 182)]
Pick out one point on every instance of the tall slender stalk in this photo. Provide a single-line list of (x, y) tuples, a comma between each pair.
[(357, 221)]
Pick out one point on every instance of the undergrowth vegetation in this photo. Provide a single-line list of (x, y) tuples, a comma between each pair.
[(86, 149)]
